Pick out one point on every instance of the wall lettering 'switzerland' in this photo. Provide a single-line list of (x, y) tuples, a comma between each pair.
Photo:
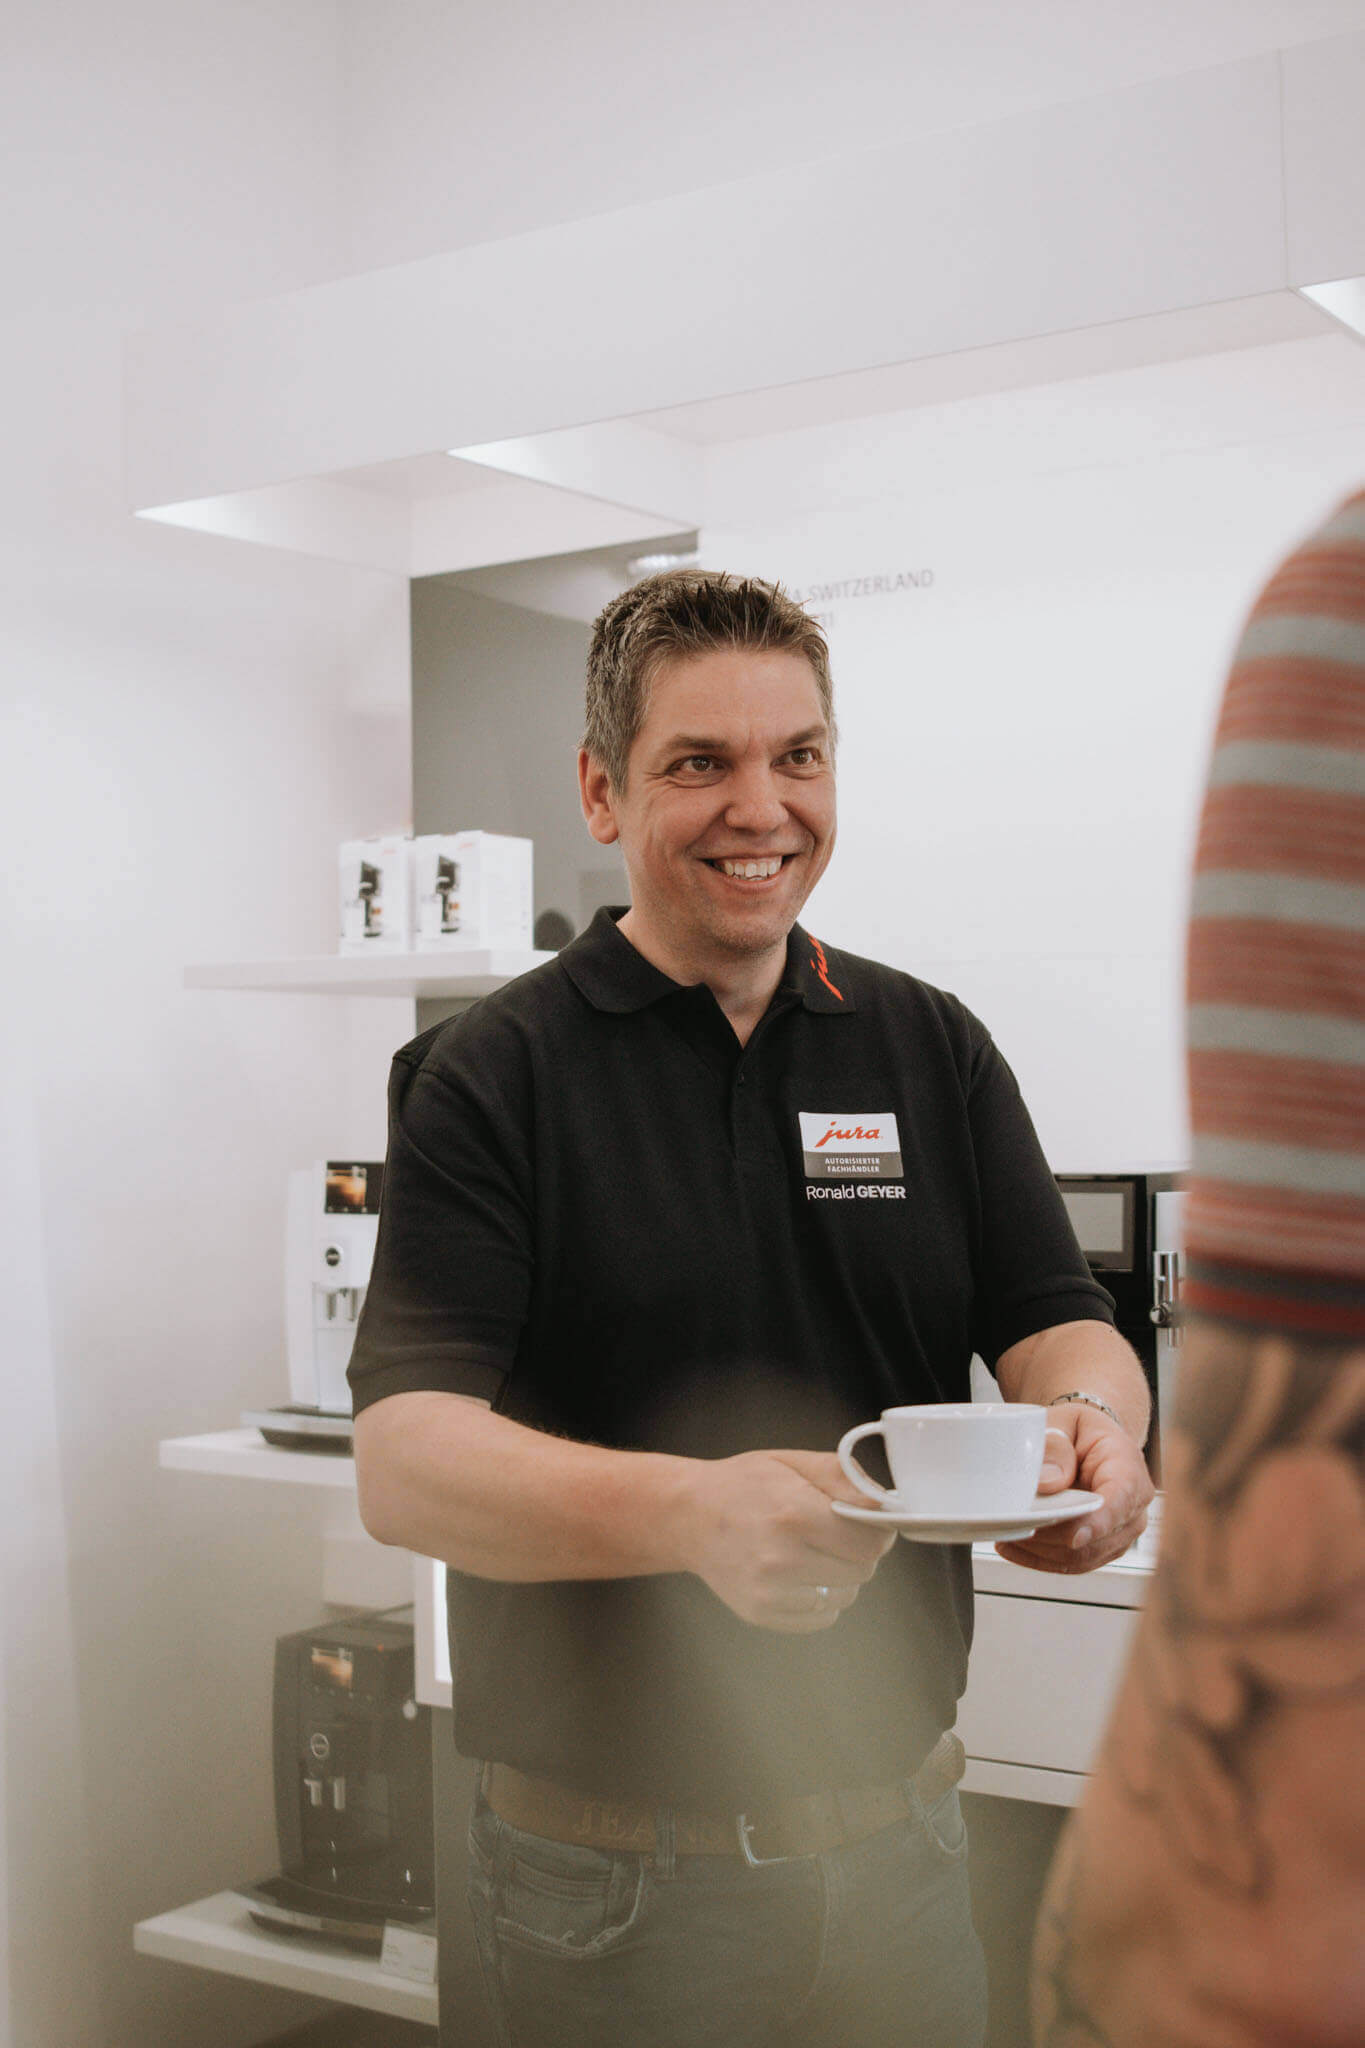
[(865, 586)]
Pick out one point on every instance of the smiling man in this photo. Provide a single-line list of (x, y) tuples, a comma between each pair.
[(724, 810), (631, 1287)]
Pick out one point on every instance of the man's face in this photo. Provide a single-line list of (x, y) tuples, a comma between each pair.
[(728, 817)]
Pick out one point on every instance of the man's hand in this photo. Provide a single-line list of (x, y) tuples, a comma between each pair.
[(763, 1536), (1086, 1449)]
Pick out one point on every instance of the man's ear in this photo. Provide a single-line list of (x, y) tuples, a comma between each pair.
[(594, 791)]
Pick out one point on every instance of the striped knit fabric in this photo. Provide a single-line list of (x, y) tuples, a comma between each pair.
[(1275, 1223)]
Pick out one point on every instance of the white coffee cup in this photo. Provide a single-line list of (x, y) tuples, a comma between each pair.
[(955, 1459)]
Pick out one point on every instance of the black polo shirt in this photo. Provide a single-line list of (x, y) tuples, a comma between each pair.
[(607, 1217)]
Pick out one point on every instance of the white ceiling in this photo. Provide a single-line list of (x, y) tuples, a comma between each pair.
[(907, 387), (467, 124), (462, 130), (418, 477), (478, 123), (1008, 366)]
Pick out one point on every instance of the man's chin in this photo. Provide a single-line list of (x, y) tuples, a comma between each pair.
[(748, 935)]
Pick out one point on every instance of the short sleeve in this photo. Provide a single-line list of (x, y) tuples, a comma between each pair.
[(1032, 1272), (448, 1292)]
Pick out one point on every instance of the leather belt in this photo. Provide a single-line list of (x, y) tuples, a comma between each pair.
[(802, 1825)]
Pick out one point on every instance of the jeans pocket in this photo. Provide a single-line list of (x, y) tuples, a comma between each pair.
[(944, 1825), (572, 1903), (480, 1842)]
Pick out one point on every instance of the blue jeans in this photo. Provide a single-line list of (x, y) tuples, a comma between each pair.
[(870, 1946)]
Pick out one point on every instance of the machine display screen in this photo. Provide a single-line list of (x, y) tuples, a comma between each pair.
[(1099, 1219), (353, 1188), (333, 1668)]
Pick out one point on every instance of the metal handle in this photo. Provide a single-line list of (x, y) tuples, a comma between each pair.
[(1166, 1309)]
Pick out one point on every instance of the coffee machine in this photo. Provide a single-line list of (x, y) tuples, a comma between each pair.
[(353, 1789), (332, 1222), (1130, 1227)]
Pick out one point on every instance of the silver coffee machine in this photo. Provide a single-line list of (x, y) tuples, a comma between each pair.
[(332, 1220), (1130, 1227)]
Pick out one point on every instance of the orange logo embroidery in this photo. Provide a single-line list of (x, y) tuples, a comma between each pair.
[(821, 966)]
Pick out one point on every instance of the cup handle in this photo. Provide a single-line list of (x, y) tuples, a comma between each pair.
[(850, 1464)]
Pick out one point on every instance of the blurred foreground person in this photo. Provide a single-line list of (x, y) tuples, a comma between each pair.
[(1210, 1893)]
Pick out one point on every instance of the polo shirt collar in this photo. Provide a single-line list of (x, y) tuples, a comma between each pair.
[(817, 976), (605, 967)]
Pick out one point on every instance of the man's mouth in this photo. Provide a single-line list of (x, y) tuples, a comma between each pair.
[(750, 870)]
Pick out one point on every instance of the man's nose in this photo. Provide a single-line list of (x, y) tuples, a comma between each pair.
[(755, 803)]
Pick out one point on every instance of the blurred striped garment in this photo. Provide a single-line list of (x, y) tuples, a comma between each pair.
[(1275, 1222)]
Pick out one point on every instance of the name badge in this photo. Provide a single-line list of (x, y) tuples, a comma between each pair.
[(851, 1144)]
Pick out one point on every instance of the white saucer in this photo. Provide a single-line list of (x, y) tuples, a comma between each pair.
[(1047, 1509)]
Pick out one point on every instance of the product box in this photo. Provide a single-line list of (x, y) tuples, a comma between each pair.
[(377, 895), (473, 890)]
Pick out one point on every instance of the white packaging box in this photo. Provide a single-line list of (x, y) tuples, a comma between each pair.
[(474, 890), (376, 895)]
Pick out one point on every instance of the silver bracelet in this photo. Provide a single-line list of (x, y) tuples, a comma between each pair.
[(1090, 1401)]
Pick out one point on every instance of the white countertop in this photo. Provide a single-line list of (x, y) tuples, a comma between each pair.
[(1121, 1584)]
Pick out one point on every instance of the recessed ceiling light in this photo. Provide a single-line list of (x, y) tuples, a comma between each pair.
[(656, 565)]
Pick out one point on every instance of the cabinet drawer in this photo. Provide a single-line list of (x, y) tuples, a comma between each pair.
[(1042, 1680)]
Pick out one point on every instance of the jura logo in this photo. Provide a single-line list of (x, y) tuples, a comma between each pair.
[(872, 1133), (849, 1144)]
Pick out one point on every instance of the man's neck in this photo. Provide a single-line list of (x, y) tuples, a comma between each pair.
[(743, 985)]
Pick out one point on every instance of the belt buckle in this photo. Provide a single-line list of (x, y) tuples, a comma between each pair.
[(745, 1829)]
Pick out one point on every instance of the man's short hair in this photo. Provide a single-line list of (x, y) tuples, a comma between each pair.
[(676, 617)]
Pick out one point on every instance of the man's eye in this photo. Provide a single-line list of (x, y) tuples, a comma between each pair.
[(697, 764), (803, 757)]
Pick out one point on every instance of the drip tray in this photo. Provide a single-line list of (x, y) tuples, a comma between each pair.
[(285, 1905)]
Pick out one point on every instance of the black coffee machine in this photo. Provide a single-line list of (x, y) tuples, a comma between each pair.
[(353, 1795), (1130, 1229)]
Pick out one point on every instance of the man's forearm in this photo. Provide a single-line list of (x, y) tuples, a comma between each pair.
[(448, 1478), (1084, 1357)]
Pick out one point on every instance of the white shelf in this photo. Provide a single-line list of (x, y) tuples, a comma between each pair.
[(244, 1454), (219, 1934), (384, 974)]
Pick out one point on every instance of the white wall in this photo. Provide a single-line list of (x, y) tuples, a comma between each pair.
[(186, 731), (1024, 733)]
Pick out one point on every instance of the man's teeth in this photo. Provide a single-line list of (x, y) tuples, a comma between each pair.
[(750, 870)]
